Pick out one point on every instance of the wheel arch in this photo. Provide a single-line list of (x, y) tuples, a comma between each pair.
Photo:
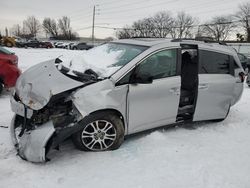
[(116, 112)]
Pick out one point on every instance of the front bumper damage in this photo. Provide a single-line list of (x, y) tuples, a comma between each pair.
[(32, 145), (34, 142), (44, 112)]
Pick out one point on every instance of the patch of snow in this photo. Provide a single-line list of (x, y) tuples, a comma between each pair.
[(99, 59)]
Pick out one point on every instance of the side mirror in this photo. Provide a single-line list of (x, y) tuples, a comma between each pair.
[(144, 78)]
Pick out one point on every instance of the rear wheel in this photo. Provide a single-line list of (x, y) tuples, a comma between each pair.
[(101, 131)]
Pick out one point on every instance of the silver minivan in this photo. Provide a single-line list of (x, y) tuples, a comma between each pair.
[(120, 88)]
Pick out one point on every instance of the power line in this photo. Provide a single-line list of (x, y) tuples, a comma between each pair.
[(194, 25), (111, 2), (83, 28), (127, 4), (139, 8), (127, 10)]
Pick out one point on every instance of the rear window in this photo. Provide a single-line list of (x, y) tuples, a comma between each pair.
[(213, 62), (4, 51)]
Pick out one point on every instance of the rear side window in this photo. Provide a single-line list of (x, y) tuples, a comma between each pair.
[(213, 63)]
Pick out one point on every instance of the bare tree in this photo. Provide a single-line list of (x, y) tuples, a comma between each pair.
[(126, 32), (218, 28), (33, 25), (143, 28), (162, 23), (16, 30), (64, 25), (244, 16), (183, 25), (50, 27), (158, 25)]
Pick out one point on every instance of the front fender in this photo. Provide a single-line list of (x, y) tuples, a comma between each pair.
[(100, 96)]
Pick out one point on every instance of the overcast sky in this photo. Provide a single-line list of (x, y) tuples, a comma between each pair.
[(110, 13)]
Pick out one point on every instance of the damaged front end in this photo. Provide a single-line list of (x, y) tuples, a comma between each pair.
[(35, 132), (44, 111)]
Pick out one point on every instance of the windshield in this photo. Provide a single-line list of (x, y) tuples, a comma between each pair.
[(105, 59)]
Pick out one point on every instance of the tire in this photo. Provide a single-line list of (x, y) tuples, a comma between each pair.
[(102, 131), (1, 87)]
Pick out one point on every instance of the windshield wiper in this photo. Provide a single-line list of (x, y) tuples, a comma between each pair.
[(85, 76), (91, 72)]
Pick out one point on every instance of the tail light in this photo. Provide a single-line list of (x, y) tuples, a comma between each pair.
[(242, 76)]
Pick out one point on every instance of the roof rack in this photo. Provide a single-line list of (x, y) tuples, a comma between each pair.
[(181, 39), (203, 39)]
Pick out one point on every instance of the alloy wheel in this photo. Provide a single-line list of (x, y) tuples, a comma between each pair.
[(98, 135)]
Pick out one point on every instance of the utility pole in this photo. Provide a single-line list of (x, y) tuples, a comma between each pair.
[(6, 32), (93, 26)]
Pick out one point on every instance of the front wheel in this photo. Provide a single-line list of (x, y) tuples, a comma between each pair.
[(102, 131)]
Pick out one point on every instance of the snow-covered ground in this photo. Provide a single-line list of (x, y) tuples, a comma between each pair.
[(213, 155)]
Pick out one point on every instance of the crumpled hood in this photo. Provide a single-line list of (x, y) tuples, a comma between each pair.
[(38, 84)]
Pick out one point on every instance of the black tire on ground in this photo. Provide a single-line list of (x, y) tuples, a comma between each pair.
[(1, 87), (115, 124)]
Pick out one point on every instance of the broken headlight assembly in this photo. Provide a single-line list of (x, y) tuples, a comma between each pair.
[(62, 113)]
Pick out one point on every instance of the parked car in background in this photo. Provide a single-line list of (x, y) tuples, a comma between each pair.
[(65, 45), (47, 44), (20, 42), (54, 43), (82, 46), (69, 45), (31, 44), (59, 45), (9, 71), (121, 88), (245, 62)]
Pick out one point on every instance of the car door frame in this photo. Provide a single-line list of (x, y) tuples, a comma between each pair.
[(178, 49), (219, 96)]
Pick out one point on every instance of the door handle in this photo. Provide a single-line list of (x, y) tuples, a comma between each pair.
[(175, 90), (203, 86)]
